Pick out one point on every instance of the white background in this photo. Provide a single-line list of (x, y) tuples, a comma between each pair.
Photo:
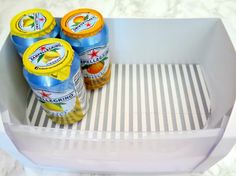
[(225, 9)]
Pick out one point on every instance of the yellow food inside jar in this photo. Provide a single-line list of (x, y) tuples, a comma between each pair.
[(98, 82), (74, 116)]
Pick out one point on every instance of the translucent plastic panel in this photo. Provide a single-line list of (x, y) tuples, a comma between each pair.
[(147, 152)]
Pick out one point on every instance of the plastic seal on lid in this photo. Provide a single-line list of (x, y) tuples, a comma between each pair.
[(49, 57), (32, 23), (82, 23)]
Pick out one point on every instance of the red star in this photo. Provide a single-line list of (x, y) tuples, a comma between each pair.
[(42, 48), (93, 54), (88, 24), (44, 94), (41, 19)]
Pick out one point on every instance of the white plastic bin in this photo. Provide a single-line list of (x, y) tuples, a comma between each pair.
[(169, 107)]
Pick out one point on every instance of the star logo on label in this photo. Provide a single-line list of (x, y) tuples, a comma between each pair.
[(88, 24), (42, 48), (93, 54), (41, 19), (44, 94)]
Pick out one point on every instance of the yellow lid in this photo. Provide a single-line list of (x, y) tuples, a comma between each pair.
[(82, 23), (32, 23), (49, 57)]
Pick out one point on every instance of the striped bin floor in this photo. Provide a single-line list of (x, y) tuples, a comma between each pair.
[(141, 98)]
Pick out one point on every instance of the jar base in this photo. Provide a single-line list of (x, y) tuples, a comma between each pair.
[(74, 116), (92, 84), (65, 120)]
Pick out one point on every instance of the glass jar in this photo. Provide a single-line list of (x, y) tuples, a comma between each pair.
[(52, 69), (30, 26), (87, 32)]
